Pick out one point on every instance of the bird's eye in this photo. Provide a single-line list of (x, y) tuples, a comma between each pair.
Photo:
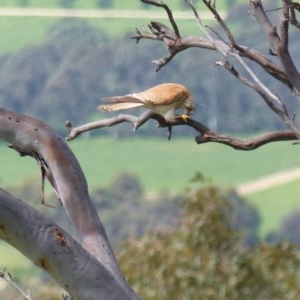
[(191, 109)]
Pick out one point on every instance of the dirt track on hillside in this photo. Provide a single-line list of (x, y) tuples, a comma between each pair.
[(98, 13), (269, 181)]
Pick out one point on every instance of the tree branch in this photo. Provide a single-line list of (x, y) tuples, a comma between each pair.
[(56, 252), (278, 44), (136, 121), (175, 45), (249, 144), (169, 13), (232, 48), (293, 19), (34, 138), (206, 135)]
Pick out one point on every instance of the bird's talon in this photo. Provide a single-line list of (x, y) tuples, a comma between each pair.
[(183, 117)]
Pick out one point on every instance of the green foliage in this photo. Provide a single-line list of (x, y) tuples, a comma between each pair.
[(203, 257), (125, 210)]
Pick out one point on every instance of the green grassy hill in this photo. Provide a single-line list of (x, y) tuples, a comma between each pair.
[(169, 165), (161, 164), (19, 32)]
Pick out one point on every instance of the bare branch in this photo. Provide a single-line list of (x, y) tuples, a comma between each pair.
[(249, 144), (278, 44), (162, 33), (8, 278), (136, 121), (206, 135), (56, 252), (293, 19), (169, 12), (267, 96), (36, 139), (220, 21), (258, 83), (284, 26)]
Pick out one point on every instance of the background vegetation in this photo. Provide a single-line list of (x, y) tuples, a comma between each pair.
[(204, 256)]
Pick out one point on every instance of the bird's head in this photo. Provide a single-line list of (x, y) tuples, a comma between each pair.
[(189, 106)]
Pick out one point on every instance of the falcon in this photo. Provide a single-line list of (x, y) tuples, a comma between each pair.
[(163, 99)]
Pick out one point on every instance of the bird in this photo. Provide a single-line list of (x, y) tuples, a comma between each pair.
[(163, 99)]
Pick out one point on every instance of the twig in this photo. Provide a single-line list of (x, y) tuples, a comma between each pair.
[(8, 278), (169, 12), (136, 121), (281, 111), (220, 21), (279, 44), (175, 45), (257, 81), (293, 19), (257, 85), (206, 135), (249, 144)]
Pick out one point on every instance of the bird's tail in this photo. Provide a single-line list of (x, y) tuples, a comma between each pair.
[(120, 102), (118, 106)]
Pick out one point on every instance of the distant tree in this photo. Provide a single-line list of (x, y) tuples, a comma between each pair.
[(105, 3), (126, 211), (39, 80), (67, 3), (288, 230), (229, 3), (24, 3), (204, 256)]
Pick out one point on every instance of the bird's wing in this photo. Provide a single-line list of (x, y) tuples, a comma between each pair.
[(164, 94)]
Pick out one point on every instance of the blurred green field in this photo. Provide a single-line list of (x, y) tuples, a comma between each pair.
[(275, 204), (160, 164), (20, 32), (169, 165)]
